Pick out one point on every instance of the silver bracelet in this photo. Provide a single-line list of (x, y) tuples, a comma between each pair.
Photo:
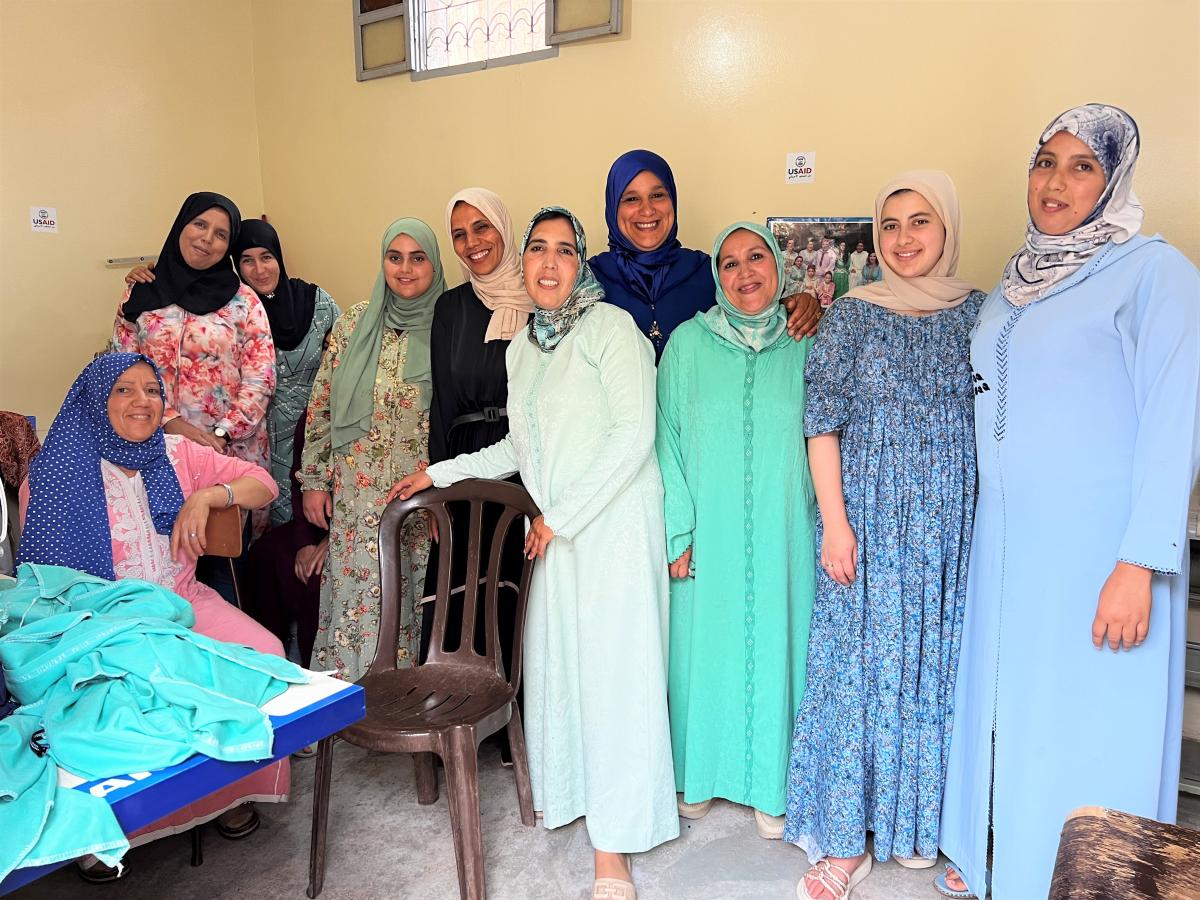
[(228, 494)]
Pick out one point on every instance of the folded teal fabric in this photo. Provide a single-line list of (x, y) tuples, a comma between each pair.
[(40, 822), (115, 681)]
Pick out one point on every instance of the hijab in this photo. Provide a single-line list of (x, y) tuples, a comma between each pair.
[(352, 392), (290, 308), (199, 291), (763, 329), (1047, 259), (550, 326), (644, 272), (940, 289), (502, 290), (66, 523)]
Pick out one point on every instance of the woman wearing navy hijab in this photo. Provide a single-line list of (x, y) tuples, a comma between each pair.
[(646, 271)]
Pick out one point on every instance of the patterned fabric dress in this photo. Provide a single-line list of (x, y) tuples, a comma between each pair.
[(217, 369), (360, 475), (871, 739), (295, 371)]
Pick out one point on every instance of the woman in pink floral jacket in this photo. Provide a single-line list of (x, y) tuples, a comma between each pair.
[(207, 333)]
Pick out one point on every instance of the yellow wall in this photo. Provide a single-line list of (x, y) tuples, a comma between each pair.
[(112, 111), (723, 89)]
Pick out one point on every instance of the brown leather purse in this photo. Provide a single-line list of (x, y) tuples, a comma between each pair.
[(223, 533)]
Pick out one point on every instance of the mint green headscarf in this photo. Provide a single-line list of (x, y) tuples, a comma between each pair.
[(352, 392), (762, 330)]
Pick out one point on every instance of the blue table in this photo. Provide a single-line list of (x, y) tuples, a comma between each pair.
[(301, 715)]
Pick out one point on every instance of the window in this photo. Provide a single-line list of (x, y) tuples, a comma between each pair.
[(440, 37)]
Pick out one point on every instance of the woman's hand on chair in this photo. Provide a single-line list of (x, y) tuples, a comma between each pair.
[(410, 484), (187, 536), (679, 568), (537, 539), (318, 507)]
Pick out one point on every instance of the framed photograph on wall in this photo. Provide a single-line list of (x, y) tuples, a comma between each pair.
[(825, 255)]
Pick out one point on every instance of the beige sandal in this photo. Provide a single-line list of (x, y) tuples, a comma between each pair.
[(615, 888), (836, 880), (693, 810)]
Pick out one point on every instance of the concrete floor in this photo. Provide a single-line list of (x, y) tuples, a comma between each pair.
[(383, 845)]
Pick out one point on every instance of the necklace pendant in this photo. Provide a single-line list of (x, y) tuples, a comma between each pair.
[(655, 334)]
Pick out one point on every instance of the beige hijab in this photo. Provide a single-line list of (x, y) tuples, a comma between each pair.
[(502, 291), (940, 289)]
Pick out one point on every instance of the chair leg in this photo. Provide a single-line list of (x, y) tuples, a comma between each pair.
[(320, 818), (462, 790), (237, 594), (197, 846), (427, 781), (516, 742)]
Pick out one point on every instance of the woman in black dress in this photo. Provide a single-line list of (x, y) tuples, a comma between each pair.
[(472, 326)]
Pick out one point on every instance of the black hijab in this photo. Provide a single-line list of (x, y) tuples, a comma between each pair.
[(199, 291), (291, 308)]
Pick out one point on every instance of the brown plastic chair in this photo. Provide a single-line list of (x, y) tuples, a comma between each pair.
[(456, 698)]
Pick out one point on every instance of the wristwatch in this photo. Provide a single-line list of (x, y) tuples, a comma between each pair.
[(221, 433)]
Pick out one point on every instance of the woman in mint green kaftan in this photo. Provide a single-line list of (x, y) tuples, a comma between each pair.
[(581, 388), (738, 492)]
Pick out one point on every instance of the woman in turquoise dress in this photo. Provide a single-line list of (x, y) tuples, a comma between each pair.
[(730, 385), (891, 444), (1088, 362), (841, 272), (581, 389)]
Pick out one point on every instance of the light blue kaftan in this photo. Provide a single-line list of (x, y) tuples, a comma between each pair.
[(595, 665), (1086, 422)]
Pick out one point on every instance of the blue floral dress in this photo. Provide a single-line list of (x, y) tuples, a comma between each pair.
[(872, 735)]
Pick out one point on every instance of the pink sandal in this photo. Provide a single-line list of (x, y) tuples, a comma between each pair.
[(836, 880)]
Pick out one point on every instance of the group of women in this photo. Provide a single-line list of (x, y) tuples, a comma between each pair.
[(856, 584)]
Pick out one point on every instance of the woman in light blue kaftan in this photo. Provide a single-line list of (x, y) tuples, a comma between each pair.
[(1087, 361), (581, 407)]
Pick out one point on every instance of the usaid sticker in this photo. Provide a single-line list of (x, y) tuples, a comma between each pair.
[(43, 218), (800, 168)]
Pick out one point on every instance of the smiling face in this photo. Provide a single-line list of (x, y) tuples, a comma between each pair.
[(1065, 183), (259, 268), (858, 248), (747, 271), (135, 403), (911, 236), (407, 268), (550, 262), (872, 259), (645, 212), (204, 240), (476, 240)]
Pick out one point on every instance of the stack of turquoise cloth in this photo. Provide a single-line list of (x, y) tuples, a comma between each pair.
[(111, 679)]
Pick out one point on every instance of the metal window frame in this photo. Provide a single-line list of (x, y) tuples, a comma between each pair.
[(400, 9), (553, 38), (419, 73)]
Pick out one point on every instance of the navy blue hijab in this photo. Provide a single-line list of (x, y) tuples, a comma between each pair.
[(66, 523), (661, 288)]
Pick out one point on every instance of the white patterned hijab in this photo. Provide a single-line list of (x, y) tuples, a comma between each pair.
[(1048, 259)]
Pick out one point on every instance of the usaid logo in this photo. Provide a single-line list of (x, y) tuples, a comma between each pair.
[(800, 167), (43, 218)]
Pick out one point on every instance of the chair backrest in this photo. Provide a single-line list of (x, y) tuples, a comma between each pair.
[(515, 506), (223, 532)]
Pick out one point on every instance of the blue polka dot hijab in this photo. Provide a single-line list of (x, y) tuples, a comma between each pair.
[(66, 523)]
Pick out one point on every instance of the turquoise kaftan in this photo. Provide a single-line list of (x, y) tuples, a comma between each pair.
[(732, 452)]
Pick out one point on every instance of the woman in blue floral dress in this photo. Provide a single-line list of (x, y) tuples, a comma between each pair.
[(891, 445)]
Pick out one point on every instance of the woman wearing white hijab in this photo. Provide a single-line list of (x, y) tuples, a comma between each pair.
[(473, 324), (1087, 361)]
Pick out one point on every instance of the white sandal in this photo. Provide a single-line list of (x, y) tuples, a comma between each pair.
[(840, 885)]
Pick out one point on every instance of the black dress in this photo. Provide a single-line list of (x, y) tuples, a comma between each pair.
[(469, 379)]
